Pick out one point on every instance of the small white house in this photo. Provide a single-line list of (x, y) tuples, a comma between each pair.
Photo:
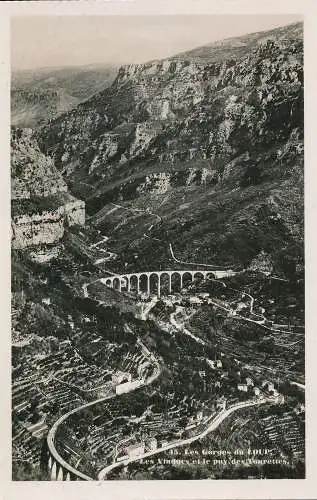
[(242, 387), (210, 363), (199, 415), (221, 403), (217, 363)]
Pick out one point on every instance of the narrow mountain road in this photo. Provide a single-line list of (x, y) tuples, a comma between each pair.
[(139, 210), (194, 263), (215, 421), (52, 432), (212, 425), (262, 319), (104, 239), (301, 386)]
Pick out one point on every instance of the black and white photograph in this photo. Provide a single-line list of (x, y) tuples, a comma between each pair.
[(157, 247)]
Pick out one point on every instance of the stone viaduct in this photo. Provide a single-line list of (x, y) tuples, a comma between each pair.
[(59, 469), (64, 472), (153, 279)]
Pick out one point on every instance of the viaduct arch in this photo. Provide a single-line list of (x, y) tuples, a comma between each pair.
[(125, 282), (58, 468)]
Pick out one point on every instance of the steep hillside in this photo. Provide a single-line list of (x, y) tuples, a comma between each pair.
[(38, 96), (210, 141), (32, 173), (41, 206)]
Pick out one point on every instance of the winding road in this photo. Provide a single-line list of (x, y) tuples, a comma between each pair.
[(52, 432), (193, 263), (214, 422)]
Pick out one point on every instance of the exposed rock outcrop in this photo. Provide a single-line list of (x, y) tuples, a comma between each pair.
[(232, 115), (41, 206), (32, 173)]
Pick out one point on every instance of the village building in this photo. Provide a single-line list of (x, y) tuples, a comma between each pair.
[(242, 387), (119, 377), (221, 403)]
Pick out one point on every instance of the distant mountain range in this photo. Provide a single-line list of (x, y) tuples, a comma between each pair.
[(40, 95), (211, 141)]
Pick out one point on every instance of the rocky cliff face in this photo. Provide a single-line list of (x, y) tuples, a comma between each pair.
[(32, 173), (41, 205), (216, 127)]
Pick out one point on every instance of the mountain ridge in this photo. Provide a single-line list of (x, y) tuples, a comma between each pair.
[(243, 41), (182, 129)]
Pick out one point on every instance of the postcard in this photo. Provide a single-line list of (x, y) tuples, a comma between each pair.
[(160, 229)]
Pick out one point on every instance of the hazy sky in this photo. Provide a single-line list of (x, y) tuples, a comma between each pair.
[(77, 40)]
